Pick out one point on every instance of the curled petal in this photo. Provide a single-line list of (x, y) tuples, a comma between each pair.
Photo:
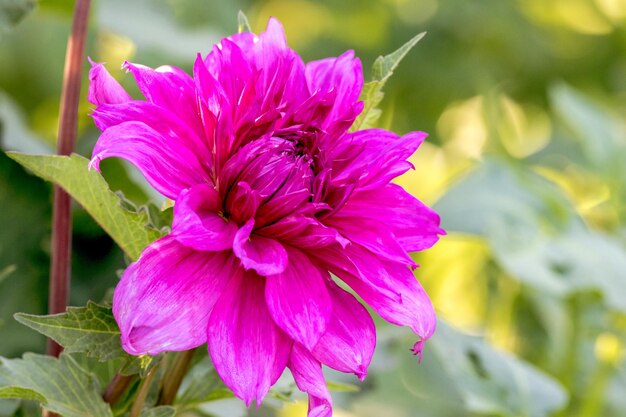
[(298, 299), (349, 341), (414, 225), (198, 222), (247, 348), (303, 232), (307, 372), (388, 287), (168, 167), (156, 303), (166, 122), (103, 88), (343, 78), (372, 157), (266, 256)]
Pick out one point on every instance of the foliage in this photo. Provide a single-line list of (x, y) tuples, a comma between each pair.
[(524, 162)]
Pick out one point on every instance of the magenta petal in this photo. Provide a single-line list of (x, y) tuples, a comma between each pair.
[(266, 256), (168, 167), (298, 299), (103, 88), (156, 303), (414, 309), (247, 348), (307, 373), (349, 341), (390, 288), (414, 225), (373, 157), (371, 234), (198, 221)]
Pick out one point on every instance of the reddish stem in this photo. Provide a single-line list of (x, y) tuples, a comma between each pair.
[(60, 264)]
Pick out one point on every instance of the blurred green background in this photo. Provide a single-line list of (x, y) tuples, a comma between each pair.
[(525, 103)]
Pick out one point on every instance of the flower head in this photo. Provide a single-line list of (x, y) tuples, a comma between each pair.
[(272, 194)]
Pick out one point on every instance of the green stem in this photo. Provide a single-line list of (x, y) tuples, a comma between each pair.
[(142, 394), (60, 262), (593, 400), (174, 377)]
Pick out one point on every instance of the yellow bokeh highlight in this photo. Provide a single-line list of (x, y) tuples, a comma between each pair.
[(300, 408), (615, 10), (303, 20), (462, 127), (453, 273), (522, 131), (306, 21), (114, 49), (589, 193), (435, 169), (580, 16), (608, 349)]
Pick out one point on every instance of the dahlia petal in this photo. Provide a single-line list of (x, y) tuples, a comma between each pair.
[(243, 202), (198, 223), (247, 348), (373, 235), (166, 122), (373, 157), (414, 309), (343, 76), (266, 256), (168, 167), (390, 288), (307, 373), (414, 225), (298, 299), (103, 88), (349, 341), (303, 232), (156, 303), (168, 87)]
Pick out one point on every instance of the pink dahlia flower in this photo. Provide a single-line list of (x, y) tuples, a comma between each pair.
[(272, 194)]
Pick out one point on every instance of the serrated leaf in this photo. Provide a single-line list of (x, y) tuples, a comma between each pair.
[(243, 24), (12, 11), (91, 329), (61, 385), (372, 93), (161, 411), (89, 188)]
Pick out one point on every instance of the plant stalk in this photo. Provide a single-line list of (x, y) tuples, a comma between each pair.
[(60, 263), (116, 388), (140, 399), (174, 377)]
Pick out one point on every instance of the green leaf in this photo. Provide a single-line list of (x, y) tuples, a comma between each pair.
[(161, 411), (91, 329), (12, 11), (128, 229), (372, 93), (495, 382), (201, 385), (534, 232), (243, 24), (61, 385)]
